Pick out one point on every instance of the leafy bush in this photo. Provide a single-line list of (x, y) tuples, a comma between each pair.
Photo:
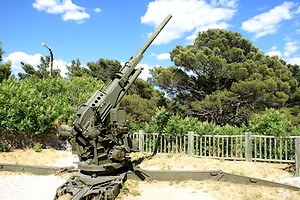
[(30, 105), (271, 122), (229, 130), (78, 91), (35, 105), (3, 148), (37, 147), (157, 123), (205, 128), (162, 121)]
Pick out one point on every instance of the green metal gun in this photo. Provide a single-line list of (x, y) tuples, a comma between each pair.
[(99, 135)]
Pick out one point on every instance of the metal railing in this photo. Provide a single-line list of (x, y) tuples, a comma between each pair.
[(245, 147)]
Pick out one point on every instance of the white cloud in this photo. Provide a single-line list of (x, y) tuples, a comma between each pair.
[(66, 8), (298, 11), (274, 52), (145, 73), (97, 10), (224, 3), (163, 56), (61, 65), (290, 48), (188, 16), (221, 25), (268, 22), (17, 57), (75, 15), (294, 61)]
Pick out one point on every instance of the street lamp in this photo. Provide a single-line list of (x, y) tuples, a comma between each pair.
[(51, 58)]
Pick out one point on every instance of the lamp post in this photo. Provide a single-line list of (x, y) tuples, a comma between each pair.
[(51, 58)]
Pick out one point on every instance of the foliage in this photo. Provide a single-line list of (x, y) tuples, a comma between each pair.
[(223, 78), (5, 71), (272, 122), (36, 102), (3, 148), (1, 51), (35, 105), (178, 126), (26, 106), (78, 91), (141, 101), (42, 70), (175, 125), (230, 130), (103, 69), (37, 147), (157, 122), (76, 70), (138, 109)]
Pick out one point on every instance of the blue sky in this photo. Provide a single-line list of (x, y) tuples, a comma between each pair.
[(111, 29)]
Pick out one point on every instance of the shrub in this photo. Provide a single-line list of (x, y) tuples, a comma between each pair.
[(3, 148), (229, 130), (271, 122), (35, 105), (37, 147)]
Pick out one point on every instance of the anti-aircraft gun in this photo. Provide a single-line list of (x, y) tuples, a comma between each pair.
[(99, 135)]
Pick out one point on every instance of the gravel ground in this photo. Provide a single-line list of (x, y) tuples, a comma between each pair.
[(32, 187), (295, 181), (29, 187)]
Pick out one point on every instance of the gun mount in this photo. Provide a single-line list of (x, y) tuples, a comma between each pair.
[(99, 135)]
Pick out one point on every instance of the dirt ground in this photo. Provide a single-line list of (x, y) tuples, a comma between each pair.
[(268, 171), (134, 190), (48, 157)]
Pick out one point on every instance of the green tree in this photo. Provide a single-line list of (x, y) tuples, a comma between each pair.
[(223, 78), (42, 70), (141, 101), (75, 69), (5, 70), (104, 69)]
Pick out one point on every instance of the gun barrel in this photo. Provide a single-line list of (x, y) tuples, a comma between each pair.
[(102, 101), (154, 34)]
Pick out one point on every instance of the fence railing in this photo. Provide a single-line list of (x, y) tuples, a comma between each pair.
[(245, 147)]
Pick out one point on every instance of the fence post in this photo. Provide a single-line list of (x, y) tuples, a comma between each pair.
[(141, 141), (190, 143), (248, 146), (297, 155)]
